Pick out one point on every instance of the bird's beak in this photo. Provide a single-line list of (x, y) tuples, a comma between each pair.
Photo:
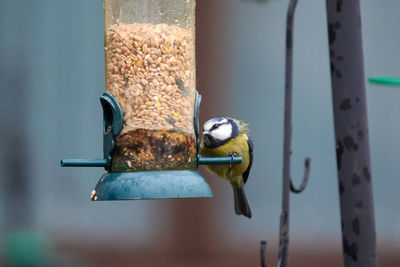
[(206, 138)]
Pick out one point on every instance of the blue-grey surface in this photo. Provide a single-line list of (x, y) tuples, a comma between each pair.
[(62, 43)]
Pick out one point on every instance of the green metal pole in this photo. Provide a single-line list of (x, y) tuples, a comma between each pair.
[(103, 162), (83, 162), (219, 160)]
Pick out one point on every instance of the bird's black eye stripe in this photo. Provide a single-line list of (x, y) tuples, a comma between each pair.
[(215, 126)]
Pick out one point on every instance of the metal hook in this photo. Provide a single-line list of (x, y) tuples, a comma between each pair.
[(232, 155), (263, 251), (287, 184), (303, 185)]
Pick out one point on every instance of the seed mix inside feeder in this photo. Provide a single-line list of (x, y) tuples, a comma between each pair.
[(150, 70)]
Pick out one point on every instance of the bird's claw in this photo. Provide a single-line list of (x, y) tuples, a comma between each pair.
[(232, 155)]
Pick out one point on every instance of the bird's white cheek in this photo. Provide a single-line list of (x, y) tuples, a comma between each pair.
[(223, 132)]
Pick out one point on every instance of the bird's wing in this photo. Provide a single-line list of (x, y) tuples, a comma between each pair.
[(247, 172)]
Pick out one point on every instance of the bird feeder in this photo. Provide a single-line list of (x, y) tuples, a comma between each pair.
[(150, 107)]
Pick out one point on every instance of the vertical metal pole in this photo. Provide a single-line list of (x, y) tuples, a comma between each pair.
[(351, 133), (284, 223), (287, 184)]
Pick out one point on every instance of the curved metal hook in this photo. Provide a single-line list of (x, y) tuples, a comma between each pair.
[(287, 183), (303, 185)]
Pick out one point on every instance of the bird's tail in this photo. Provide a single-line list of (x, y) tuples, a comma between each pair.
[(242, 206)]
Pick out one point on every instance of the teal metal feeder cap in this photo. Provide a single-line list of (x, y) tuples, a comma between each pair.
[(151, 185)]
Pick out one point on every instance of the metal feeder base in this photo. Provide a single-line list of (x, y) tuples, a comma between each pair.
[(151, 185)]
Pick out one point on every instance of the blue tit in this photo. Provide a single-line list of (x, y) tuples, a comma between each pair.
[(230, 137)]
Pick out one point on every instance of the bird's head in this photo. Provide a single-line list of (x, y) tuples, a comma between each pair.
[(218, 131)]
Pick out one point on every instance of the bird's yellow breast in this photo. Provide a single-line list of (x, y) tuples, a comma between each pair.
[(237, 145)]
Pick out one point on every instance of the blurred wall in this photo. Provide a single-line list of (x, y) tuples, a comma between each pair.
[(240, 74)]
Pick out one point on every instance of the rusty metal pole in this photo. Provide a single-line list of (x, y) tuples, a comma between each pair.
[(351, 133)]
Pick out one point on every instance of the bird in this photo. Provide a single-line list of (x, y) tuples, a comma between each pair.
[(223, 137)]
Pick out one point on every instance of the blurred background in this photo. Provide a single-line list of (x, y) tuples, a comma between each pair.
[(51, 77)]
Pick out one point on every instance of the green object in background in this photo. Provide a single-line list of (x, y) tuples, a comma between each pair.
[(25, 248), (394, 81)]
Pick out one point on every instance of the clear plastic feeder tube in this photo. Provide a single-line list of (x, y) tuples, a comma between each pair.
[(150, 70)]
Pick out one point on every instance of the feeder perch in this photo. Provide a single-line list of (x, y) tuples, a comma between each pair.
[(150, 107)]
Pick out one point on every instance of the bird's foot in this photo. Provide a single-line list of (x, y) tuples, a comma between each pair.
[(232, 155)]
